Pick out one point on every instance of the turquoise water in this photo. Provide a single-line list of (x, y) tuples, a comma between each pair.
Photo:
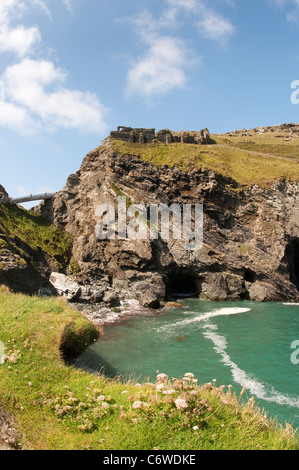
[(236, 343)]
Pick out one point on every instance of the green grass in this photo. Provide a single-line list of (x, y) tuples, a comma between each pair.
[(57, 406), (20, 228), (230, 158), (266, 143)]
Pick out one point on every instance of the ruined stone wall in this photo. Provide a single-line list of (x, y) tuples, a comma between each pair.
[(128, 134), (165, 136)]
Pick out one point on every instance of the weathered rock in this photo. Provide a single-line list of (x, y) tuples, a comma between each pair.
[(146, 295), (111, 299), (262, 292), (251, 239), (19, 275), (172, 305), (3, 192), (65, 286)]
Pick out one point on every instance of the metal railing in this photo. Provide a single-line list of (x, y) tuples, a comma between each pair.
[(31, 197)]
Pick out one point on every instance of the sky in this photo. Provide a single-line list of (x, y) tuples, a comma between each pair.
[(73, 70)]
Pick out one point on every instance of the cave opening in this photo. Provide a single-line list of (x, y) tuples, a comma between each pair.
[(295, 243), (249, 276), (292, 258), (183, 287)]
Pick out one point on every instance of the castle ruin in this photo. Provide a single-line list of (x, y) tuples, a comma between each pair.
[(165, 136)]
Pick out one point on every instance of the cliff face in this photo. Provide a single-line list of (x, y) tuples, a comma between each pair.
[(251, 237)]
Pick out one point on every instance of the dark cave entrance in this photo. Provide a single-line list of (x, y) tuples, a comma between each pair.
[(182, 286), (295, 243), (249, 276), (292, 256)]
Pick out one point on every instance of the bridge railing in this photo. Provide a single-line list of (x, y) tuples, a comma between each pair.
[(31, 197)]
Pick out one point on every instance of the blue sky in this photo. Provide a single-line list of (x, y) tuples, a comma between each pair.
[(72, 70)]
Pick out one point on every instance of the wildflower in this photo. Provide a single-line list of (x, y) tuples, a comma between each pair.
[(162, 378), (190, 375), (195, 428), (105, 405), (159, 387), (137, 405), (168, 392), (82, 405), (136, 420), (181, 404), (87, 426), (101, 398)]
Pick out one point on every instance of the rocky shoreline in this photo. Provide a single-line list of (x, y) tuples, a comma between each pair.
[(102, 316)]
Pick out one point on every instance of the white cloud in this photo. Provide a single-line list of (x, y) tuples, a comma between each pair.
[(16, 39), (34, 97), (293, 8), (36, 86), (68, 4), (19, 40), (210, 24), (7, 6), (215, 27), (162, 67), (160, 70), (293, 15), (16, 118)]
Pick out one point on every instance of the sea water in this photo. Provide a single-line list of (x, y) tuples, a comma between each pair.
[(236, 343)]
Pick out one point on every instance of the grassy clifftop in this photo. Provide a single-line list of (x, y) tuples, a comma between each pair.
[(249, 157)]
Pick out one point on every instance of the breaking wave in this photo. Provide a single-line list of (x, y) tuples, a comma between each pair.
[(207, 316), (261, 391)]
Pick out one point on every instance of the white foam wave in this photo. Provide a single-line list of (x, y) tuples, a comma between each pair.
[(206, 316), (291, 303), (255, 387)]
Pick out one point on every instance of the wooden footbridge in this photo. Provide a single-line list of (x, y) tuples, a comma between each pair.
[(31, 197)]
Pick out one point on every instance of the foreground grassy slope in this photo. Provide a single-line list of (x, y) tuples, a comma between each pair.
[(59, 407), (248, 159)]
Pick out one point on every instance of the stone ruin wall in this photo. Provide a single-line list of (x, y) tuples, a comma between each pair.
[(147, 136)]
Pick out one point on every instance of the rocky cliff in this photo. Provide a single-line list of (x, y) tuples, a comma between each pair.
[(251, 234)]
